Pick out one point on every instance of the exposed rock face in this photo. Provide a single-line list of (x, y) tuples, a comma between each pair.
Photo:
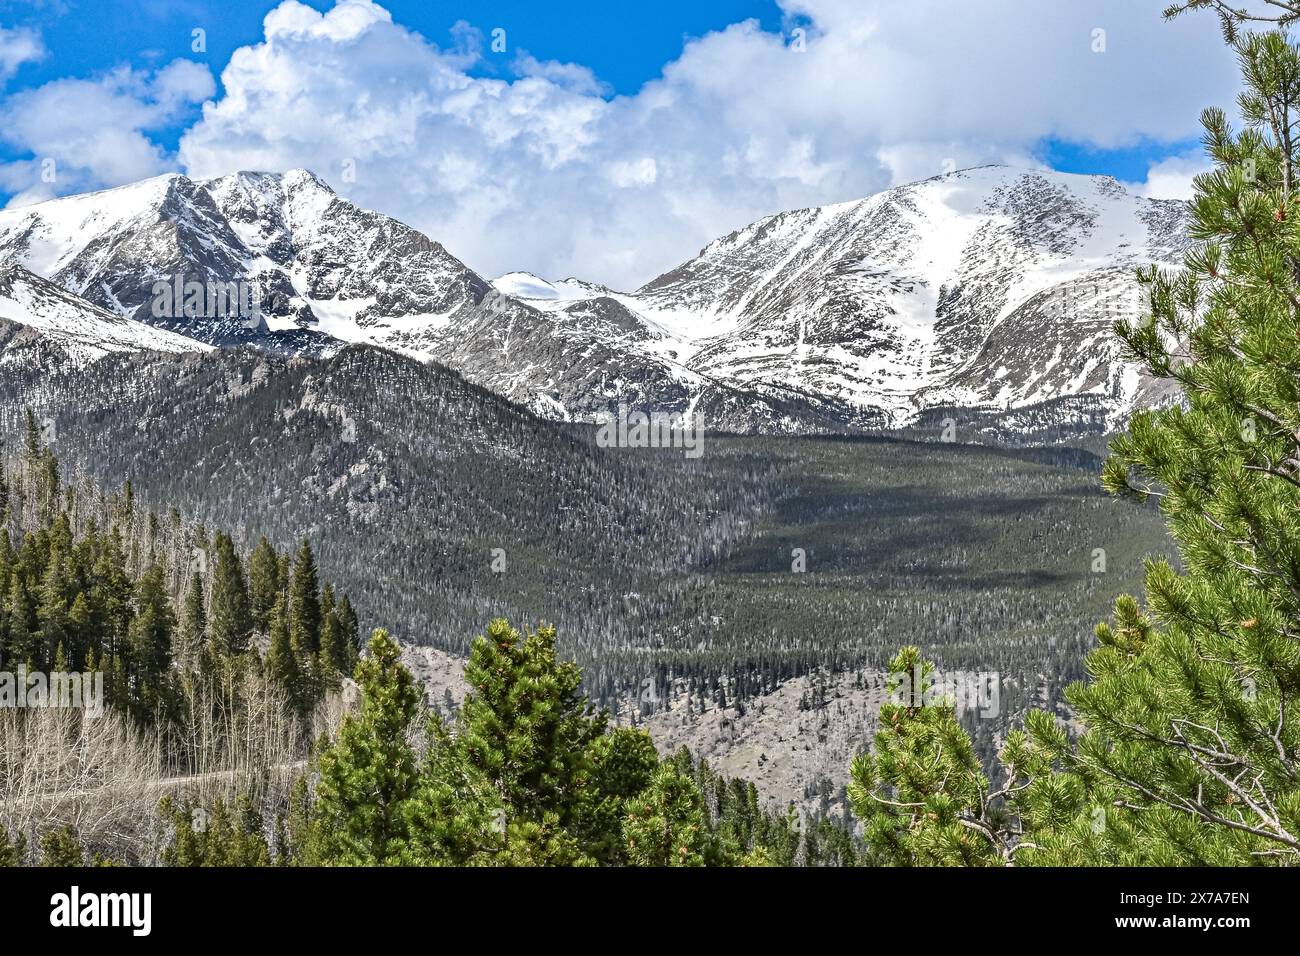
[(990, 289)]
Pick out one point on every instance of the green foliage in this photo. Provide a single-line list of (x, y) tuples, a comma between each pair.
[(623, 764), (298, 840), (105, 598), (264, 584), (231, 617), (664, 825), (922, 796), (12, 851), (370, 771), (282, 664), (194, 622), (528, 774), (216, 835), (1190, 723), (304, 602), (61, 847), (526, 724), (149, 645), (148, 606), (455, 815)]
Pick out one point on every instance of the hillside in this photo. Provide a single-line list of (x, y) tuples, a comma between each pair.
[(438, 506)]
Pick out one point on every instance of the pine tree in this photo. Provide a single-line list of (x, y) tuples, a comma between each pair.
[(454, 815), (368, 774), (194, 622), (264, 584), (31, 437), (81, 627), (304, 601), (349, 629), (1190, 708), (299, 841), (62, 848), (231, 622), (52, 606), (149, 641), (281, 663), (333, 654), (112, 594), (623, 763), (525, 724), (11, 851), (664, 825), (23, 635), (922, 796), (310, 680), (215, 836), (186, 847)]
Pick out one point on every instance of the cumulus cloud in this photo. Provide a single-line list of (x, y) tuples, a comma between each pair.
[(547, 172), (515, 162), (18, 45), (1172, 178), (89, 133)]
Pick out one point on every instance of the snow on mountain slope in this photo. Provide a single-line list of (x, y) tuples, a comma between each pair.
[(990, 288), (326, 272), (288, 236), (84, 331), (525, 285)]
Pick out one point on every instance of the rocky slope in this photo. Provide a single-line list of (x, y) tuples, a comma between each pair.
[(990, 290), (83, 331)]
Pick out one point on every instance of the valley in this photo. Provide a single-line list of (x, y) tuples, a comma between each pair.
[(766, 564)]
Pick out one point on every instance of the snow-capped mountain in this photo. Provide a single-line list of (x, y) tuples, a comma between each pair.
[(990, 288), (277, 234), (525, 285), (84, 331), (325, 272)]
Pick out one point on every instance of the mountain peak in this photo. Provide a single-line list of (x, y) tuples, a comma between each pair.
[(289, 179), (1006, 171), (525, 285), (992, 286)]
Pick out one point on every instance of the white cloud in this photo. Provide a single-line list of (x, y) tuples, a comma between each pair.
[(1172, 178), (634, 172), (18, 45), (572, 76), (542, 173), (548, 173), (908, 162), (89, 133)]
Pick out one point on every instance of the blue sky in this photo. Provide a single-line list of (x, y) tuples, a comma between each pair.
[(637, 129), (625, 44)]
